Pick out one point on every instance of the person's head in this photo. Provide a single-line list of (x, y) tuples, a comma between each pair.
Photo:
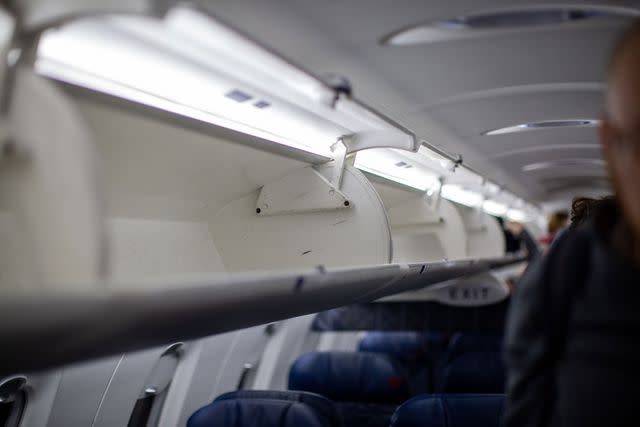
[(557, 221), (584, 209), (620, 125)]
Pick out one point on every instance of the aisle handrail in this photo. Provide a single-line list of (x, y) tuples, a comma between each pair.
[(41, 331)]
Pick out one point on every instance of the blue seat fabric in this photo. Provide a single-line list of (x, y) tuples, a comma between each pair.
[(257, 408), (366, 387), (473, 365), (404, 345), (343, 376), (463, 410)]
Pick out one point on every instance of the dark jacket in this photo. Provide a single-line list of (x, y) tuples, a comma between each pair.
[(573, 337)]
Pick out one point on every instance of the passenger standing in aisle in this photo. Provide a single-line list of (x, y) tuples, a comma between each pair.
[(573, 333)]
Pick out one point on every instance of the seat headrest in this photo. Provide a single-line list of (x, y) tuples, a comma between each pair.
[(462, 410), (461, 344), (480, 372), (402, 345), (258, 408), (365, 377)]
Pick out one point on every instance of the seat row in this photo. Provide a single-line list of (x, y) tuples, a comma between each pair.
[(261, 408), (366, 387)]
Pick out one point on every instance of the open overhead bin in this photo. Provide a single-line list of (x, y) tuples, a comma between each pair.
[(140, 152), (202, 153)]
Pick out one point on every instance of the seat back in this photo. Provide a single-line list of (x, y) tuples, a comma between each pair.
[(473, 365), (464, 410), (461, 344), (356, 377), (261, 408), (404, 345)]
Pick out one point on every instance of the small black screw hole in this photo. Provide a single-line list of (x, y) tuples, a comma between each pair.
[(258, 210), (346, 203)]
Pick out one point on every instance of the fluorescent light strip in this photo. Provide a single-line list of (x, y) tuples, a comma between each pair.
[(564, 163), (98, 55), (395, 167), (460, 195), (518, 215), (494, 208), (546, 124), (407, 169), (218, 42)]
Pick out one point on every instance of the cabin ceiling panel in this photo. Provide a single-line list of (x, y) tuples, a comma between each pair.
[(494, 145), (416, 84), (475, 117)]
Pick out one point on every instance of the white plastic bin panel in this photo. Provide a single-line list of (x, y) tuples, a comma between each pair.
[(353, 236), (52, 186), (417, 247), (143, 249), (157, 169)]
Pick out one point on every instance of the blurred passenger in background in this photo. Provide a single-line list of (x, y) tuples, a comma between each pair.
[(558, 221), (573, 330)]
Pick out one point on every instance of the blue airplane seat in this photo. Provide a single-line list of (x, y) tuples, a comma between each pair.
[(473, 365), (404, 345), (338, 375), (465, 343), (475, 372), (462, 410), (264, 408), (366, 387)]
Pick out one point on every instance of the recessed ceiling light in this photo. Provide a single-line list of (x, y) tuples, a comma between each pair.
[(563, 163), (524, 18), (505, 19), (546, 124)]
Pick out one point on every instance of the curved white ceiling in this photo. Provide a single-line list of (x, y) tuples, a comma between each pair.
[(451, 92)]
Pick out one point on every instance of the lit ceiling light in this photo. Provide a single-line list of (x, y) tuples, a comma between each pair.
[(505, 19), (191, 65), (563, 163), (494, 208), (458, 194), (518, 215), (393, 166), (547, 124), (519, 18)]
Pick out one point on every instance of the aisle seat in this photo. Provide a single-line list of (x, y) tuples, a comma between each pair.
[(463, 410), (366, 387), (421, 354), (473, 365), (263, 408)]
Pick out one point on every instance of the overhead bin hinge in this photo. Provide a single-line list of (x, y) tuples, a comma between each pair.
[(307, 189), (303, 190), (380, 138)]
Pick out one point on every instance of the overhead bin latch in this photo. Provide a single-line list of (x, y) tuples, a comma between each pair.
[(308, 189)]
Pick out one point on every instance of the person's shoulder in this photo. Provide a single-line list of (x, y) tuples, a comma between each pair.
[(571, 239)]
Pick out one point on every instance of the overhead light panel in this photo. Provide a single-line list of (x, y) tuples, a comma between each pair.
[(460, 195), (396, 167), (494, 208), (546, 124), (191, 65), (518, 215)]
